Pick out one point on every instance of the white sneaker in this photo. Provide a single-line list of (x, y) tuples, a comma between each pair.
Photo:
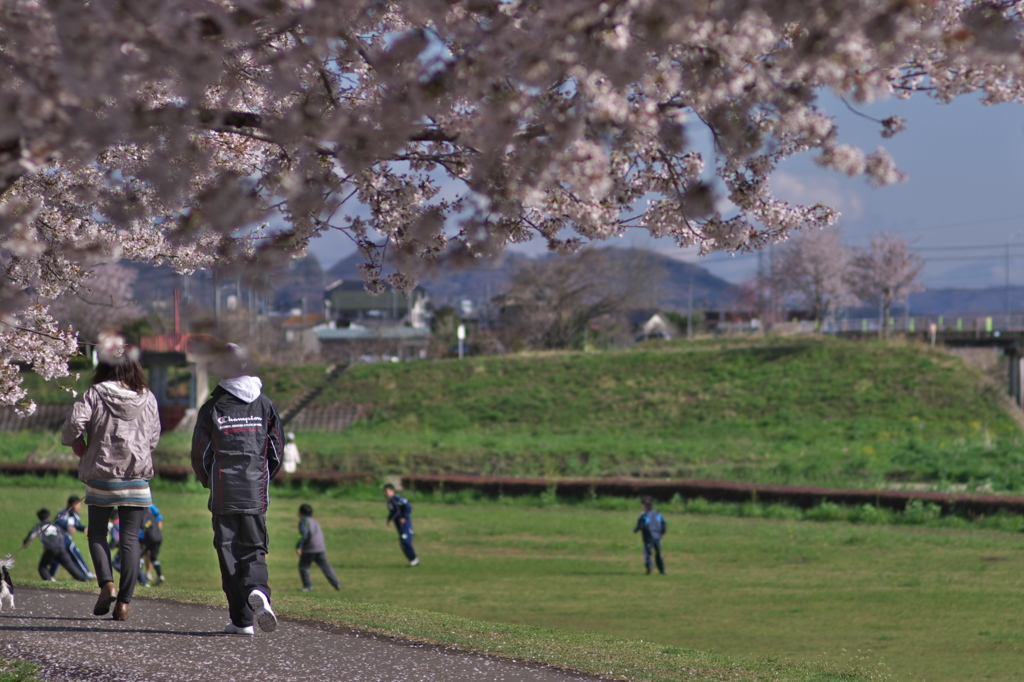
[(232, 629), (261, 611), (415, 562)]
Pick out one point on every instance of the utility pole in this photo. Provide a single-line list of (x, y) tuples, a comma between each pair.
[(689, 312), (1007, 303)]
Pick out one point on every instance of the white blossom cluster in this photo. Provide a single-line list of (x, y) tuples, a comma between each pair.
[(436, 131)]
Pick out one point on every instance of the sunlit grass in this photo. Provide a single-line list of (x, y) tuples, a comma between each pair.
[(933, 603)]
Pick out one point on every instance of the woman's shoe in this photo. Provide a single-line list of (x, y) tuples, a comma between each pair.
[(121, 611), (107, 596)]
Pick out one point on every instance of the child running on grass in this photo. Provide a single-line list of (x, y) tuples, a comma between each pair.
[(400, 511), (312, 550), (54, 549)]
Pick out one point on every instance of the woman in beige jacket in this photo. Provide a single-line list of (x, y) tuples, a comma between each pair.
[(114, 427)]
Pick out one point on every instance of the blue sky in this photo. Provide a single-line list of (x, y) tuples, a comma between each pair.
[(961, 206)]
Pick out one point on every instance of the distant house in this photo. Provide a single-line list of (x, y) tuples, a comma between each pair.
[(346, 301), (648, 324), (363, 327)]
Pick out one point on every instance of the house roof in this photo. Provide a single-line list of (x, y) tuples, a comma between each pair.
[(638, 317), (307, 320)]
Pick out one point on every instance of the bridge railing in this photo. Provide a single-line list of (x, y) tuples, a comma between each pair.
[(915, 324)]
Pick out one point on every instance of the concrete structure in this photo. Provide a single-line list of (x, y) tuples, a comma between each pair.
[(356, 343)]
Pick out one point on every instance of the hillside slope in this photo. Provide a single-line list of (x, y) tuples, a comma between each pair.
[(818, 411)]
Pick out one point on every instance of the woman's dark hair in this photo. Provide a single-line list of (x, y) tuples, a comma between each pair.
[(128, 372), (306, 510)]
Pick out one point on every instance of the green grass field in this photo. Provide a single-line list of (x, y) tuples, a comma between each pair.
[(935, 601), (933, 604)]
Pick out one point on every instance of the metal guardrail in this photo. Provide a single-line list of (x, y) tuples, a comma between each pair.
[(721, 491), (922, 324), (973, 504)]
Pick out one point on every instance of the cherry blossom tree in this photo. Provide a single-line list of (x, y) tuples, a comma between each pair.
[(886, 273), (815, 268), (103, 301), (228, 133)]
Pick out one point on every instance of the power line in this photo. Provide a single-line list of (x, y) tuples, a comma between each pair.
[(969, 248), (964, 224), (996, 256)]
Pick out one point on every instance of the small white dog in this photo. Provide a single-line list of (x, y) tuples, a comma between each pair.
[(6, 586)]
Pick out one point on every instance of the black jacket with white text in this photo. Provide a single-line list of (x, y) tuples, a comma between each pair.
[(237, 449)]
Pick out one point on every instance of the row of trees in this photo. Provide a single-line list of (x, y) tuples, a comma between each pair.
[(557, 302), (819, 273)]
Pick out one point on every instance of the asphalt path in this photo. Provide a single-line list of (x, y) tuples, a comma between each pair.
[(166, 640)]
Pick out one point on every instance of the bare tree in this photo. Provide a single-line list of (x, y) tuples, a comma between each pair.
[(815, 268), (887, 273), (552, 301), (104, 300)]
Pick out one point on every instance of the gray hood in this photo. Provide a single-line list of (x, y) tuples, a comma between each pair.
[(120, 401), (245, 388)]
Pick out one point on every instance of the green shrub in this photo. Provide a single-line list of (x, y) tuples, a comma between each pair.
[(920, 512), (869, 513), (826, 511)]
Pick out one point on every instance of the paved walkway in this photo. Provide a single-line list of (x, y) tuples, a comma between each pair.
[(165, 640)]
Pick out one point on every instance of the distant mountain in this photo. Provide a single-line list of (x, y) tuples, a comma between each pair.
[(990, 301), (449, 288), (709, 292), (483, 283), (305, 278)]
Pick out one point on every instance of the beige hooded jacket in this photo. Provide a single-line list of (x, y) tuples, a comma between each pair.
[(121, 428)]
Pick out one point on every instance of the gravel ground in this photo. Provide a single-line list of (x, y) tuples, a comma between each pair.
[(165, 640)]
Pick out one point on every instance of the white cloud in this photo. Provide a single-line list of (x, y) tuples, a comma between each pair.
[(830, 191)]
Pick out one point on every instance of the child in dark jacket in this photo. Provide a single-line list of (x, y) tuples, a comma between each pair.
[(70, 520), (52, 537), (312, 549), (652, 526), (400, 511)]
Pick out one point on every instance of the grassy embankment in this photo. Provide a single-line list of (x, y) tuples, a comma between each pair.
[(815, 411), (790, 411), (773, 598)]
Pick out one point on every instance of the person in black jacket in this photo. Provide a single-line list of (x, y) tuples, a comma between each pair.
[(236, 451), (400, 511), (652, 526), (311, 549)]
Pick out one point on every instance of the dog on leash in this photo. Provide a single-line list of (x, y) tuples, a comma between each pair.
[(6, 586)]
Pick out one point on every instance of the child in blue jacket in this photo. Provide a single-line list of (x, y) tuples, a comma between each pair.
[(652, 525), (400, 511)]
